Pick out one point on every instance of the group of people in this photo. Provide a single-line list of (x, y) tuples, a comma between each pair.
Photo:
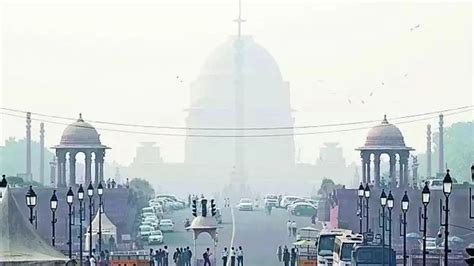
[(236, 255), (182, 256), (226, 202), (291, 226), (159, 257), (102, 260), (289, 257)]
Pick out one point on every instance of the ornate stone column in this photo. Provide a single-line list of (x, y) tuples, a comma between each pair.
[(101, 171), (400, 174), (88, 165), (61, 156), (393, 162), (72, 169), (368, 169), (96, 169), (364, 170), (377, 169), (63, 171)]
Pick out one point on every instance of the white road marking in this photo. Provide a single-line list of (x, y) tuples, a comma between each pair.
[(233, 233)]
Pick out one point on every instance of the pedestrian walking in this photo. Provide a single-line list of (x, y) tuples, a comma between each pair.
[(293, 228), (151, 257), (288, 226), (165, 256), (206, 256), (279, 253), (181, 257), (189, 256), (240, 256), (225, 256), (232, 256), (293, 257), (286, 257), (176, 257)]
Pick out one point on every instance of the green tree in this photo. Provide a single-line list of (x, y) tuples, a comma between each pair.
[(459, 150), (15, 181), (327, 186), (142, 190)]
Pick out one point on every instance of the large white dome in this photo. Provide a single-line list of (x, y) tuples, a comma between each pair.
[(256, 60)]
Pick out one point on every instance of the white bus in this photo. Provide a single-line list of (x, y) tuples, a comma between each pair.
[(343, 247), (326, 240)]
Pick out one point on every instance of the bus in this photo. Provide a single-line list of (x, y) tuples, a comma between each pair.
[(326, 241), (371, 255), (343, 247)]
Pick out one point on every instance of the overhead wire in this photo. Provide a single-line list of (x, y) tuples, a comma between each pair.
[(238, 136), (239, 128)]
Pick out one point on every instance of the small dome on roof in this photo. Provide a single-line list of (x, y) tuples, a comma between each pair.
[(385, 134), (80, 132)]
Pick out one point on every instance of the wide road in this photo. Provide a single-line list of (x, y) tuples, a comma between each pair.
[(259, 234)]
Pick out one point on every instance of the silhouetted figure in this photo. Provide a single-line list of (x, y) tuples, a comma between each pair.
[(293, 257), (206, 256), (286, 257), (240, 256), (279, 253)]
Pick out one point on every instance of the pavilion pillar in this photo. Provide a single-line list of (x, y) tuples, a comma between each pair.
[(365, 159), (63, 172), (88, 165), (393, 161), (368, 169), (101, 171), (400, 172), (96, 169), (405, 173), (377, 169), (72, 169)]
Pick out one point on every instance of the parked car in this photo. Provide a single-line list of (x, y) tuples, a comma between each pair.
[(153, 221), (303, 209), (245, 205), (148, 214), (287, 200), (155, 238), (166, 225)]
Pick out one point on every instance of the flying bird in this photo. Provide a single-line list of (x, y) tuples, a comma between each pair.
[(362, 101), (406, 75), (415, 27), (349, 100), (371, 93), (383, 83)]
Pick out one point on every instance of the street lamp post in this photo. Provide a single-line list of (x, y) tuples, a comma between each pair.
[(405, 203), (90, 194), (360, 193), (100, 192), (390, 203), (447, 189), (383, 203), (470, 193), (425, 199), (53, 204), (80, 196), (367, 196), (31, 203), (70, 200)]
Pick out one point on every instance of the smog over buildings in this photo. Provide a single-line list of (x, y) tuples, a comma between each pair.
[(234, 99)]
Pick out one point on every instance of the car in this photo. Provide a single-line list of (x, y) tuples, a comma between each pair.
[(430, 244), (287, 200), (148, 210), (153, 221), (148, 214), (166, 225), (303, 209), (245, 205), (155, 238), (144, 231), (271, 200), (435, 184), (171, 198)]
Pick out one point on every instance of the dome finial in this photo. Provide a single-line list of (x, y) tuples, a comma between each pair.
[(80, 117), (385, 121)]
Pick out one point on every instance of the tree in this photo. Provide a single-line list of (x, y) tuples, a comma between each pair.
[(15, 181), (142, 190), (459, 150), (327, 186)]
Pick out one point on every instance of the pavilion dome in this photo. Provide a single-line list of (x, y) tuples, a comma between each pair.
[(385, 134), (80, 132)]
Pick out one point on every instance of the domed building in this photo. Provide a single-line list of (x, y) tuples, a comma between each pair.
[(240, 86), (78, 137), (385, 138)]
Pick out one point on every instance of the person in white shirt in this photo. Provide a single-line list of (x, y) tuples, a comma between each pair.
[(232, 256), (225, 256), (240, 256), (92, 261), (293, 228), (288, 226)]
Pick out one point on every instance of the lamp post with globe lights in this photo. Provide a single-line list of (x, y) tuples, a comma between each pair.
[(447, 189), (471, 198), (31, 203), (425, 199), (390, 203), (360, 194), (80, 197), (90, 194), (405, 203), (383, 203), (53, 204), (100, 192), (367, 196), (70, 200)]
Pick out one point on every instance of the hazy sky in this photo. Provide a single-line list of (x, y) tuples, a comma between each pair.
[(119, 62)]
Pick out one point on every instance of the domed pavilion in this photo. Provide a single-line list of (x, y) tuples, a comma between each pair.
[(78, 137), (385, 138)]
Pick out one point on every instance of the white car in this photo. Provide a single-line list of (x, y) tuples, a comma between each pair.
[(271, 200), (166, 225), (145, 231), (153, 221), (155, 238), (287, 200), (148, 214), (245, 205)]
